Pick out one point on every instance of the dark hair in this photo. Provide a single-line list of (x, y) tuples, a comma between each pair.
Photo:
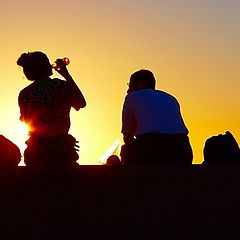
[(144, 76), (35, 65)]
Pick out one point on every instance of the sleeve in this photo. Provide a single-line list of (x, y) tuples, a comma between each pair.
[(127, 117)]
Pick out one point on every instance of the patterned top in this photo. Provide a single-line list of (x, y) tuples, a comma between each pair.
[(45, 107)]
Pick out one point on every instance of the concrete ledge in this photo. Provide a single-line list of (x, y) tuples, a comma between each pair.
[(134, 202)]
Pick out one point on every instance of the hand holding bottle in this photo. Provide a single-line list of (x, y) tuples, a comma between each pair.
[(60, 66)]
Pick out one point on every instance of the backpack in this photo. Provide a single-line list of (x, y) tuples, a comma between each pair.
[(221, 149), (10, 154)]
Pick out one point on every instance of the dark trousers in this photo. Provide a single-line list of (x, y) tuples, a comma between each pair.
[(43, 152), (155, 148)]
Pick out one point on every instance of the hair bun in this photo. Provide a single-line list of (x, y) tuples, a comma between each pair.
[(23, 59)]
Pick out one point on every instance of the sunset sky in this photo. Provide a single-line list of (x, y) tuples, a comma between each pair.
[(192, 46)]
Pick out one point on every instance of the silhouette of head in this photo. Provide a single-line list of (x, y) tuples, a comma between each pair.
[(141, 79), (35, 65)]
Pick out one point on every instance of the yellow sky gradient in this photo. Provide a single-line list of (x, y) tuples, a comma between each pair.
[(192, 46)]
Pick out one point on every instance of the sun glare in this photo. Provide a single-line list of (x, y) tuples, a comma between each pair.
[(19, 135)]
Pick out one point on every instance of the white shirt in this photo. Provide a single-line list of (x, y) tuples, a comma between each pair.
[(150, 110)]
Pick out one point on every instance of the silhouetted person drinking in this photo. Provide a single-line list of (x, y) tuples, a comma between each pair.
[(152, 126), (45, 108)]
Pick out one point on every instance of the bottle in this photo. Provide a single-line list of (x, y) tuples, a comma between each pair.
[(61, 62), (66, 60)]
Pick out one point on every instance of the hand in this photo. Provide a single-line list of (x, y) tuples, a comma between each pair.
[(60, 67)]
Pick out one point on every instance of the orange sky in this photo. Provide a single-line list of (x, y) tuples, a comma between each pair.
[(192, 46)]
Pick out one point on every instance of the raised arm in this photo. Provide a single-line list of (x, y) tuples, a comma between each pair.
[(77, 100)]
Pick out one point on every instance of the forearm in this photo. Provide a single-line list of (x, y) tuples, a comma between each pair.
[(79, 99)]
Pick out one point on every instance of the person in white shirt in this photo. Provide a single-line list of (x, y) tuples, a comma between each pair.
[(152, 126)]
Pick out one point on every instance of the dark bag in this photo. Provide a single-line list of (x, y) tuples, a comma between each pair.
[(10, 155), (221, 149)]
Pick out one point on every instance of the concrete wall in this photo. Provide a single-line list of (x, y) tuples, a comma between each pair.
[(134, 202)]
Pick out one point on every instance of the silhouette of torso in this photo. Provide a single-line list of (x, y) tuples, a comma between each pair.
[(45, 107)]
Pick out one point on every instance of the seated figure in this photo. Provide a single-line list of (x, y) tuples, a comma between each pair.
[(152, 125), (45, 106)]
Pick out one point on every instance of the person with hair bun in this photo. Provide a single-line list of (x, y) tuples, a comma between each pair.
[(45, 108)]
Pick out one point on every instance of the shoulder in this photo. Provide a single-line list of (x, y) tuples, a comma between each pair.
[(145, 93), (130, 97), (167, 95), (138, 93), (59, 85), (150, 94), (27, 89), (58, 82)]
